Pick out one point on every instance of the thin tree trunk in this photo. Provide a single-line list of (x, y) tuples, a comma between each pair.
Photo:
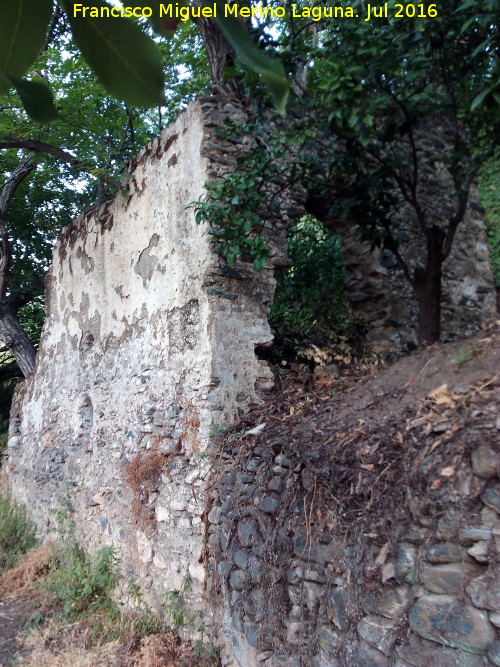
[(428, 287), (13, 336), (220, 59)]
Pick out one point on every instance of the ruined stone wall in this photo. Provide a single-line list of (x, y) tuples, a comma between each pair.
[(148, 348), (147, 351)]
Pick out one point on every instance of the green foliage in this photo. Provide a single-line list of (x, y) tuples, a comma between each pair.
[(272, 70), (310, 298), (83, 585), (4, 434), (231, 206), (489, 188), (144, 621), (36, 98), (23, 32), (175, 605), (32, 316), (17, 533), (125, 59), (119, 51), (463, 356)]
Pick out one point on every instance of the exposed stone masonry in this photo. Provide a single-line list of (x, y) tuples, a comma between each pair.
[(148, 347), (147, 351), (287, 589)]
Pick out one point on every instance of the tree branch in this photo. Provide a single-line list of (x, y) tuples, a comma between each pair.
[(23, 169), (463, 199), (12, 141)]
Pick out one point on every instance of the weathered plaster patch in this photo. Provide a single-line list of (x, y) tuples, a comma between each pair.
[(146, 263)]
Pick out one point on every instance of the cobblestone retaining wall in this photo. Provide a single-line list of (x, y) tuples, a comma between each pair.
[(288, 594)]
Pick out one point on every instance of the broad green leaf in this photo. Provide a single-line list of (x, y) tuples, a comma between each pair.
[(160, 20), (127, 61), (37, 99), (272, 70), (23, 30), (479, 98)]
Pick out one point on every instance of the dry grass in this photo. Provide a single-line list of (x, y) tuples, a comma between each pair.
[(163, 650), (22, 577), (100, 640), (40, 653), (141, 474), (56, 646)]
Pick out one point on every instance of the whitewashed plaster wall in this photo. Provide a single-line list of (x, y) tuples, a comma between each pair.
[(147, 346)]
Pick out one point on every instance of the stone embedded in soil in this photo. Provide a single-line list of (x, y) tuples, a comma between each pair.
[(314, 551), (255, 604), (328, 638), (415, 535), (485, 462), (488, 517), (473, 534), (447, 528), (261, 657), (441, 618), (378, 631), (324, 659), (214, 515), (367, 656), (282, 460), (448, 579), (405, 563), (240, 559), (484, 591), (251, 631), (495, 619), (275, 484), (480, 552), (295, 633), (248, 533), (491, 497), (223, 568), (392, 604), (336, 610), (494, 653), (312, 593), (294, 593), (444, 553), (268, 505), (419, 652), (237, 580)]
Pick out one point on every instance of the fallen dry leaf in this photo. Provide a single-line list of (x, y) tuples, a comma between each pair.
[(382, 554), (435, 445), (388, 572), (256, 429), (442, 396)]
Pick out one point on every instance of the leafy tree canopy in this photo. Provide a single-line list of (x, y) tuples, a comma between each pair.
[(361, 92)]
